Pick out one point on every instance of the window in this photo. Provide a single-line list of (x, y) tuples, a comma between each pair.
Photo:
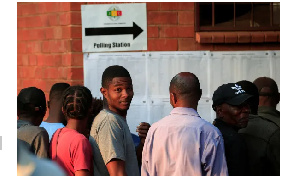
[(237, 16)]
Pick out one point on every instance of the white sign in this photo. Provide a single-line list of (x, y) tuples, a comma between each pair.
[(151, 73), (114, 27)]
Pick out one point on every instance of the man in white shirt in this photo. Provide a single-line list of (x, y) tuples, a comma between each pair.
[(182, 143)]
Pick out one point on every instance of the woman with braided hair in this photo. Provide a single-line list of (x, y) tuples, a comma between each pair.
[(69, 147)]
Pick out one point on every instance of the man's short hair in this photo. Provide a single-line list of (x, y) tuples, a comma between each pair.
[(183, 87), (112, 72), (57, 90), (266, 82), (31, 101)]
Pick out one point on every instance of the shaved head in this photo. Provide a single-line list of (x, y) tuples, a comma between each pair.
[(268, 91), (186, 85), (266, 86)]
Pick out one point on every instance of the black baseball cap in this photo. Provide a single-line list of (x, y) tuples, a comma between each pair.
[(31, 99), (230, 93)]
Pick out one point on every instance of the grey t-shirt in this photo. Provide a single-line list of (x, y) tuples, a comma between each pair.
[(112, 135)]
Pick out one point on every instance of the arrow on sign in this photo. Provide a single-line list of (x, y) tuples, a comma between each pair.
[(135, 30)]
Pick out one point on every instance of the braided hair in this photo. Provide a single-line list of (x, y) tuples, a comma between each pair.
[(77, 101)]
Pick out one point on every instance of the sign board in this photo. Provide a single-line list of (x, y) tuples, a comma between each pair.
[(151, 73), (114, 27)]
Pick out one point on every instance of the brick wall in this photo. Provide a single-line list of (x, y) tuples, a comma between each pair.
[(171, 28), (49, 44), (49, 39)]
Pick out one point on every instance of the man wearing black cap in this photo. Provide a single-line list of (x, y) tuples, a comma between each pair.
[(31, 110), (230, 102)]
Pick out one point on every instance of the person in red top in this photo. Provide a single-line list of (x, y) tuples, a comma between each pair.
[(69, 147)]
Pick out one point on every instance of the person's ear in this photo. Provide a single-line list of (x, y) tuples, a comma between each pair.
[(103, 91), (48, 104), (278, 98), (200, 94), (173, 99), (45, 111), (219, 111)]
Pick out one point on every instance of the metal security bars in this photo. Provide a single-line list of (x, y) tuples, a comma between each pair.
[(237, 16)]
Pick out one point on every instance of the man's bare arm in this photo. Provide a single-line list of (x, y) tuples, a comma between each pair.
[(116, 167), (83, 172)]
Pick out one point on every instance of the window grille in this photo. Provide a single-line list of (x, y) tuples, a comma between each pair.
[(237, 16)]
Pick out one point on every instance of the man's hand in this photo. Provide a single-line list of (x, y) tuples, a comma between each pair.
[(142, 131)]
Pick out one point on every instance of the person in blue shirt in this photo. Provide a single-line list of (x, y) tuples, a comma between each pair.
[(56, 119)]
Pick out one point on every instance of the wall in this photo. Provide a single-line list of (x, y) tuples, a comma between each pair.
[(49, 39), (49, 44)]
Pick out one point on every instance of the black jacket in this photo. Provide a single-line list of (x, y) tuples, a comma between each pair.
[(235, 149)]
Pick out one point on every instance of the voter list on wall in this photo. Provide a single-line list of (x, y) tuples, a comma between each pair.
[(114, 27), (152, 72)]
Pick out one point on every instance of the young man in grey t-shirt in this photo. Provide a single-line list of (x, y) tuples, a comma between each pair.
[(110, 132)]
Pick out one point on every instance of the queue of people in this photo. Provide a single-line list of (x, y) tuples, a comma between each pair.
[(85, 136)]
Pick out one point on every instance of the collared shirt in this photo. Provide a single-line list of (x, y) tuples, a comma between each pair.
[(183, 144)]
